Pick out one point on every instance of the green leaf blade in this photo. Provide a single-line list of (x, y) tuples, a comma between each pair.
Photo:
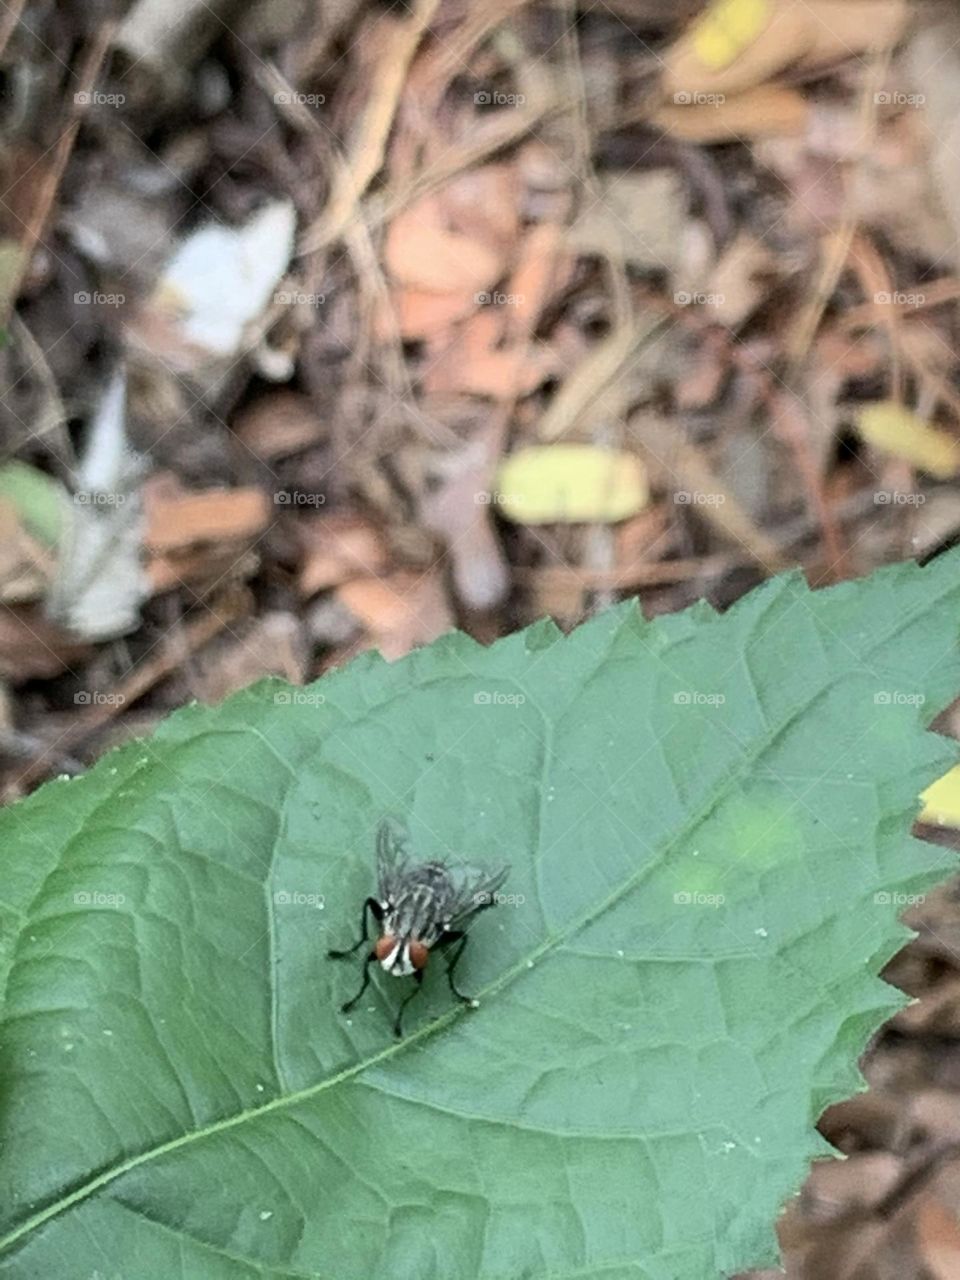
[(699, 812)]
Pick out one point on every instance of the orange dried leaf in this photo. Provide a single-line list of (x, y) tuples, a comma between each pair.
[(178, 519), (338, 548), (278, 425), (400, 612), (421, 253)]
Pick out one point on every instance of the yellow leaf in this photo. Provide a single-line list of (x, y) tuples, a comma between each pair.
[(891, 428), (726, 29), (570, 483), (941, 800)]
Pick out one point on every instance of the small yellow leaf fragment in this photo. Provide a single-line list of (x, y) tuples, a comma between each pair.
[(941, 800), (571, 484), (892, 429), (726, 29)]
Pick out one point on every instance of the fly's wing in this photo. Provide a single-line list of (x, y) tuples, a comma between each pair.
[(392, 841), (473, 890)]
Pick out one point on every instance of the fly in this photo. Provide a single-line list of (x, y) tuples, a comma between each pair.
[(420, 907)]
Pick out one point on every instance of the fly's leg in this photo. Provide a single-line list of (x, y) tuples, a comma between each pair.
[(345, 1008), (397, 1028), (375, 909), (459, 937)]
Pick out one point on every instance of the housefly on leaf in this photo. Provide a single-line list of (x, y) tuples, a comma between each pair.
[(420, 907)]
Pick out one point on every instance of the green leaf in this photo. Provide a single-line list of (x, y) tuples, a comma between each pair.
[(707, 818), (39, 500)]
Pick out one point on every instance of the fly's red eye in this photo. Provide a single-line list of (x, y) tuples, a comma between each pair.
[(419, 955), (384, 946)]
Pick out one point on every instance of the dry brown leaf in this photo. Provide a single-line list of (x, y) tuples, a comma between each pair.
[(201, 567), (422, 253), (595, 379), (543, 269), (726, 50), (278, 425), (938, 1237), (634, 217), (178, 518), (337, 548), (274, 645), (399, 612), (31, 646), (424, 316), (763, 111), (474, 362), (735, 285)]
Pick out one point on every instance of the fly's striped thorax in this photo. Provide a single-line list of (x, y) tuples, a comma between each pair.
[(419, 911)]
